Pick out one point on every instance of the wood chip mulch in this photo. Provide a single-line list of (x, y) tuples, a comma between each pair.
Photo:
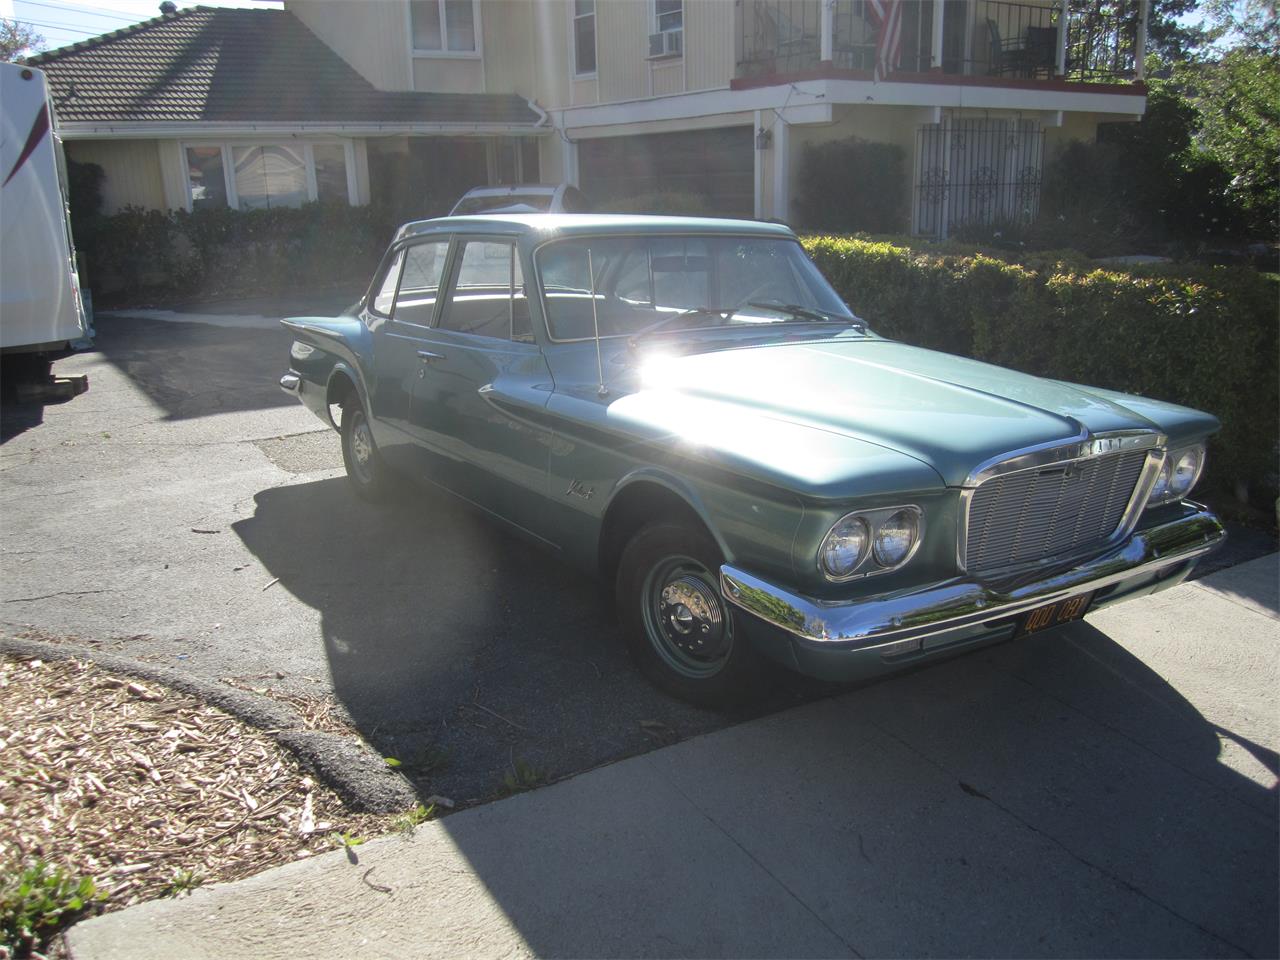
[(147, 790)]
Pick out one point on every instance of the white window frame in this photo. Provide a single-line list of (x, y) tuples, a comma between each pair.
[(574, 17), (444, 54), (653, 19), (308, 154)]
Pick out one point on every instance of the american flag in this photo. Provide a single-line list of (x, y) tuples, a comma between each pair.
[(887, 15)]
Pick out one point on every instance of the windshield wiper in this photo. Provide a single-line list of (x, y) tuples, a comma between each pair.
[(798, 312), (682, 315)]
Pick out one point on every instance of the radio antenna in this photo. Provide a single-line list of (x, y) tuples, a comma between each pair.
[(601, 389)]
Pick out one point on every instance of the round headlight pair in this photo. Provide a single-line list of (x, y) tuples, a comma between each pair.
[(1178, 474), (888, 538)]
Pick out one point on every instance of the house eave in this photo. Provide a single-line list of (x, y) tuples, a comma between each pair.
[(165, 130), (791, 98)]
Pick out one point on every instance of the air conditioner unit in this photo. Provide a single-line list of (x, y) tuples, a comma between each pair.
[(668, 43)]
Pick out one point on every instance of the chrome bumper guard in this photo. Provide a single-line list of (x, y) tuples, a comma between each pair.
[(291, 384), (891, 619)]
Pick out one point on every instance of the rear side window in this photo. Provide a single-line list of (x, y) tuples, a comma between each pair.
[(488, 297), (420, 282), (386, 294)]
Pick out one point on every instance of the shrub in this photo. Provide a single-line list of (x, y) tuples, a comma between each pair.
[(36, 900), (848, 185), (1204, 337), (139, 253)]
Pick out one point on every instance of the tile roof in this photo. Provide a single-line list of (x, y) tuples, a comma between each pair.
[(252, 66)]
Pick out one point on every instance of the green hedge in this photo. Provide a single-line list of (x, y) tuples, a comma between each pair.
[(139, 254), (1205, 337)]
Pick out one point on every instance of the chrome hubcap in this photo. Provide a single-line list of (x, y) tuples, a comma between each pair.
[(362, 449), (685, 619)]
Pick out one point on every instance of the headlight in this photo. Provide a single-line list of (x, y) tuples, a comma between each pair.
[(1186, 471), (1178, 474), (869, 542), (844, 548), (895, 537)]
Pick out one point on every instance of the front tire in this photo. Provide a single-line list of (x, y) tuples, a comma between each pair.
[(366, 470), (678, 628)]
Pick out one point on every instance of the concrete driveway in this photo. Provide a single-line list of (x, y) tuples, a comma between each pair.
[(1109, 791)]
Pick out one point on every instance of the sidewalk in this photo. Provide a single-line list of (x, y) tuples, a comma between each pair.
[(1108, 791)]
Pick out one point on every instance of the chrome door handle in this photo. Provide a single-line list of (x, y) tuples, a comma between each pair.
[(426, 356)]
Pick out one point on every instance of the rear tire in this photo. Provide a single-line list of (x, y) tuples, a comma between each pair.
[(678, 627), (366, 469)]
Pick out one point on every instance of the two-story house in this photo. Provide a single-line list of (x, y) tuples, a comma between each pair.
[(415, 101)]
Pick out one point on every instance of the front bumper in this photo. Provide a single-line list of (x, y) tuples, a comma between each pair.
[(839, 640)]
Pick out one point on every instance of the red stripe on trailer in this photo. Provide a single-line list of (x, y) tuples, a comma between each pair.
[(39, 127)]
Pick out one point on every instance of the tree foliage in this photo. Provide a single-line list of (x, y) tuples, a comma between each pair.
[(16, 38), (1237, 100)]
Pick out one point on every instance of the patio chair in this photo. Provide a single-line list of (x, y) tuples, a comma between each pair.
[(1011, 55)]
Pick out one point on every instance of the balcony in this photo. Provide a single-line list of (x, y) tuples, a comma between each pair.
[(1039, 41)]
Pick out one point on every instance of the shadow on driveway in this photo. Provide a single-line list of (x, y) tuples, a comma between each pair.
[(461, 650), (1051, 797), (196, 369)]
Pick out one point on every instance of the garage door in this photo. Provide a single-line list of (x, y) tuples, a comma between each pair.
[(716, 166)]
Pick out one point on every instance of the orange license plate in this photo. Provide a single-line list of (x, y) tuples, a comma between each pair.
[(1054, 614)]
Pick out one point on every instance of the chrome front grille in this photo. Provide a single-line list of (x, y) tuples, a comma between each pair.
[(1051, 511)]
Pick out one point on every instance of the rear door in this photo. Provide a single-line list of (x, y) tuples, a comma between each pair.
[(478, 402), (400, 315)]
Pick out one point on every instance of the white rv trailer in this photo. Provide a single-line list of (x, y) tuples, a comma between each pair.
[(41, 312)]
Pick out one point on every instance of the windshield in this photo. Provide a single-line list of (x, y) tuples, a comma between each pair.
[(508, 203), (663, 282)]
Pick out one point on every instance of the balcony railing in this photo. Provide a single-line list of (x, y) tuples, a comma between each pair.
[(979, 38)]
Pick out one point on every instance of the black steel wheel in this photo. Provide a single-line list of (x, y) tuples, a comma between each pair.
[(678, 627), (365, 468)]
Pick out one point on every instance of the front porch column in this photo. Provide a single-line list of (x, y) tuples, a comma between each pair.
[(935, 42), (781, 147), (828, 30)]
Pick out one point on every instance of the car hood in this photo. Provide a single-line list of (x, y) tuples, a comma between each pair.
[(947, 412)]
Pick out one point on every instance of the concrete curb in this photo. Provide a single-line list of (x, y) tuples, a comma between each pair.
[(353, 769)]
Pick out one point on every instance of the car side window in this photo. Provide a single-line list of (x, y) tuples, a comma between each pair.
[(420, 282), (488, 298), (386, 294)]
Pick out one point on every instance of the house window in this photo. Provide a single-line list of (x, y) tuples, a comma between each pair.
[(668, 15), (584, 37), (270, 176), (331, 172), (259, 176), (443, 26), (205, 178)]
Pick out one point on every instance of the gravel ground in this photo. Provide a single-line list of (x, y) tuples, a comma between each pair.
[(149, 791)]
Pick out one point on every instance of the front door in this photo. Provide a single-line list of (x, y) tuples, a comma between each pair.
[(478, 401)]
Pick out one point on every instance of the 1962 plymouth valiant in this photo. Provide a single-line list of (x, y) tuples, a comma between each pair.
[(686, 408)]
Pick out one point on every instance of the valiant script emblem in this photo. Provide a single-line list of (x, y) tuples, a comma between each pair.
[(579, 489)]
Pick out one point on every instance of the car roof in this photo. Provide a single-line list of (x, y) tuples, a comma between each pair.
[(546, 226)]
